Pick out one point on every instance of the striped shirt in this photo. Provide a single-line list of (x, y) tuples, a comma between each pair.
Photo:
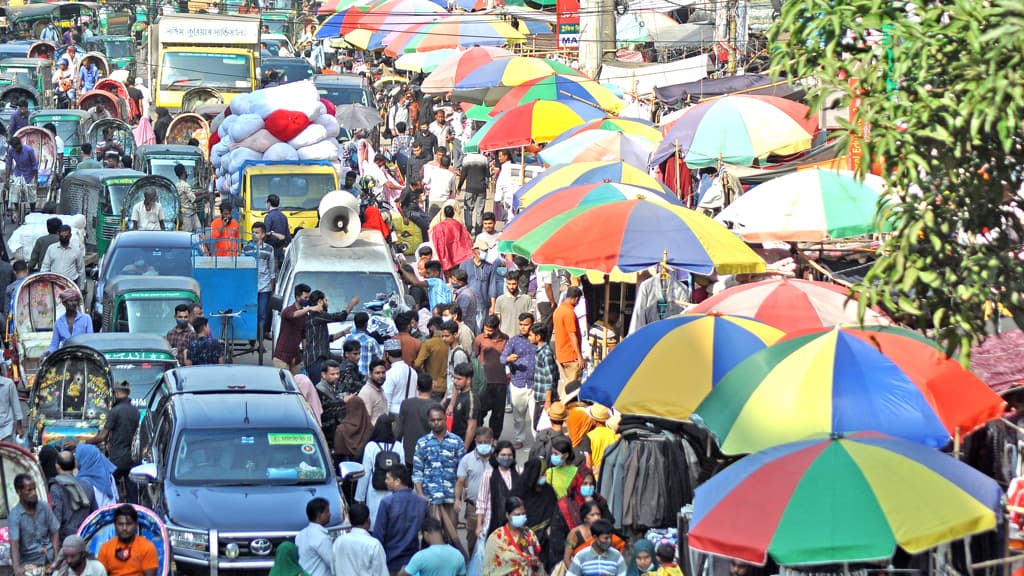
[(589, 563)]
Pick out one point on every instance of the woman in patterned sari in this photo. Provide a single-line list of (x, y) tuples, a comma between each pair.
[(512, 549)]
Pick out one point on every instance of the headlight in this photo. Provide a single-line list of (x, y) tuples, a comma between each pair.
[(198, 541)]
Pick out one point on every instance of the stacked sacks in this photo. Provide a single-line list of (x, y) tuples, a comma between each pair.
[(282, 123)]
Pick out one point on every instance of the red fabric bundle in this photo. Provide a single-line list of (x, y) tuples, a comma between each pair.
[(285, 124), (331, 108), (214, 138)]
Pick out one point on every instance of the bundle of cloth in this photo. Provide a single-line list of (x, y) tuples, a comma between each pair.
[(289, 122)]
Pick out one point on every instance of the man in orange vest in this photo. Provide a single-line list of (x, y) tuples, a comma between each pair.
[(225, 231)]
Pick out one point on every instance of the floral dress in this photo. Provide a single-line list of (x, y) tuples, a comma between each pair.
[(505, 555)]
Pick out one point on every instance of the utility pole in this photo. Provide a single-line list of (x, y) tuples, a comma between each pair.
[(590, 45)]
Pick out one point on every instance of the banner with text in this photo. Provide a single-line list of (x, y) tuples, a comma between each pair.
[(568, 23)]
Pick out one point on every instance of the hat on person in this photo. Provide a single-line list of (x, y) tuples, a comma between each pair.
[(481, 244), (599, 413), (73, 543), (138, 81), (392, 345), (123, 385), (69, 294), (557, 412)]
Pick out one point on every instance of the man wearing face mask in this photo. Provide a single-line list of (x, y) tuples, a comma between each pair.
[(426, 139), (73, 323), (471, 469), (182, 334), (63, 258), (600, 559)]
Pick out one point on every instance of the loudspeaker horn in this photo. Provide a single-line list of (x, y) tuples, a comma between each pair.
[(339, 218)]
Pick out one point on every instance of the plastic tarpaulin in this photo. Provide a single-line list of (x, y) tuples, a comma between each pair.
[(642, 80), (751, 84)]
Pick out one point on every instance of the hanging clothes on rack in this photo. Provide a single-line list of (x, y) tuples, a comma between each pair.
[(662, 295)]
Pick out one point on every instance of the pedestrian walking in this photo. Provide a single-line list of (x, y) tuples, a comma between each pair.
[(566, 333), (438, 558), (519, 358), (466, 299), (545, 381), (65, 259), (318, 338), (399, 519), (182, 334), (11, 415), (466, 411), (291, 331), (369, 347), (513, 549), (286, 561), (435, 463), (204, 348), (475, 176), (561, 472), (413, 415), (483, 279), (404, 323), (512, 303), (456, 355), (72, 499), (470, 472), (599, 439), (382, 452), (487, 348), (400, 381), (266, 274), (372, 393), (499, 483), (316, 553), (433, 358), (119, 433), (357, 552), (599, 558), (97, 471), (33, 529)]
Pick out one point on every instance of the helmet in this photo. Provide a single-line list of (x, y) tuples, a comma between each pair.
[(366, 183)]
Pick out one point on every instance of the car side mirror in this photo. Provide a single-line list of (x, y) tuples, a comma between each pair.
[(350, 470), (94, 273), (276, 303), (145, 473)]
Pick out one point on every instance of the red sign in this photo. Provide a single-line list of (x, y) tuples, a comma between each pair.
[(568, 23)]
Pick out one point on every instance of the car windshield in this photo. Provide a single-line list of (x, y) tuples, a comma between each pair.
[(67, 127), (297, 191), (150, 261), (118, 48), (340, 95), (147, 316), (30, 73), (140, 375), (184, 70), (165, 167), (291, 72), (247, 456), (340, 287)]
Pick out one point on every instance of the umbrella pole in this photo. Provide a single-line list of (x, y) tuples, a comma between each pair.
[(607, 297), (678, 162), (522, 165), (956, 443)]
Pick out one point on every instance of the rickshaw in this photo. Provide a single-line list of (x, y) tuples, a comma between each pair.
[(29, 21), (166, 195), (70, 396), (185, 127), (120, 50), (34, 72), (98, 194), (121, 133), (139, 359), (34, 308), (72, 126), (160, 159), (43, 49), (104, 105), (121, 91), (14, 89), (145, 304), (15, 460), (198, 96), (99, 528), (47, 156), (102, 64)]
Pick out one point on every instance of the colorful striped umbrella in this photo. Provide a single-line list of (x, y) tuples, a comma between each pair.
[(564, 200), (813, 205), (846, 380), (540, 121), (463, 30), (597, 146), (448, 74), (390, 14), (584, 173), (560, 87), (633, 235), (790, 304), (331, 27), (737, 130), (840, 500), (641, 375), (488, 83), (632, 126)]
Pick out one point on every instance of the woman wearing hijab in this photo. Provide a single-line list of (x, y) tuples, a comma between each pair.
[(143, 133), (512, 549), (309, 392), (95, 470), (48, 461), (353, 432), (540, 501), (644, 559), (568, 516), (381, 440), (286, 561), (561, 472)]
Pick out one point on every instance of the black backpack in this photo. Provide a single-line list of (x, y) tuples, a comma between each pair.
[(385, 460)]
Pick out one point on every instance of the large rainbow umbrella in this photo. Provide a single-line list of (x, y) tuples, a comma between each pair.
[(331, 27), (391, 15), (840, 500), (846, 380), (488, 83), (633, 235), (584, 173), (596, 146), (456, 31), (540, 121), (564, 200), (738, 129), (633, 126), (560, 87), (814, 205), (446, 75), (790, 304), (641, 375)]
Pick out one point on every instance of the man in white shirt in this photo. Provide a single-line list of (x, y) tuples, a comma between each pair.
[(63, 258), (400, 382), (316, 555), (439, 182), (547, 294), (358, 552), (148, 214)]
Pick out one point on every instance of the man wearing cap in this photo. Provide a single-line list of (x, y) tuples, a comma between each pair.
[(63, 258), (73, 323), (73, 58), (76, 559), (599, 439), (122, 423), (400, 381), (482, 277)]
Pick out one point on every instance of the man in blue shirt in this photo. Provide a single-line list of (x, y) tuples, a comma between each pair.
[(399, 518), (369, 348), (435, 464), (22, 169), (278, 233), (73, 323), (519, 357), (483, 278), (88, 75), (437, 557)]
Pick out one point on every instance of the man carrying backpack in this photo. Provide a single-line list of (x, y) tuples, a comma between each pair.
[(73, 500)]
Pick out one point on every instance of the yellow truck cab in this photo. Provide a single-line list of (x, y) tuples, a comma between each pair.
[(300, 186), (215, 51)]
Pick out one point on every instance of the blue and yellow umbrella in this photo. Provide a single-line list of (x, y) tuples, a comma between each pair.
[(665, 369)]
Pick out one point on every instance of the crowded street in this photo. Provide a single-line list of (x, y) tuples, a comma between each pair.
[(511, 288)]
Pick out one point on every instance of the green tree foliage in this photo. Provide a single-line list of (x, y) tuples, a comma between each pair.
[(942, 94)]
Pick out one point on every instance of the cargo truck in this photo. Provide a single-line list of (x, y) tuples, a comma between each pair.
[(215, 51)]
